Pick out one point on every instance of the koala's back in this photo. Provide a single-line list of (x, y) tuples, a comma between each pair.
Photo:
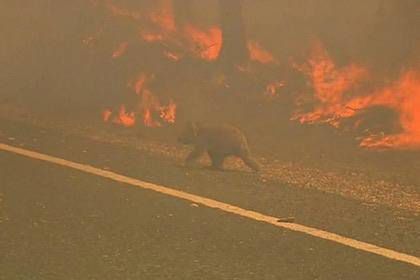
[(222, 138)]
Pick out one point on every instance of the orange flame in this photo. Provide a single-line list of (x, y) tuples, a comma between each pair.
[(148, 107), (160, 26), (122, 48), (125, 118), (331, 86), (404, 97), (148, 120), (151, 37), (168, 113), (106, 115), (149, 103), (271, 89), (164, 17), (205, 44), (139, 83), (259, 54), (336, 89)]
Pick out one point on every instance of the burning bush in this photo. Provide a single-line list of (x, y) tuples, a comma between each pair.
[(341, 96)]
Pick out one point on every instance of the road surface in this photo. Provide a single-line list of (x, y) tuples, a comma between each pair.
[(60, 223)]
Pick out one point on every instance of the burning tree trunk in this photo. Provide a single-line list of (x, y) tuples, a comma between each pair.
[(234, 49)]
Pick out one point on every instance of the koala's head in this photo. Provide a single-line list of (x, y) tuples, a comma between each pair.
[(189, 134)]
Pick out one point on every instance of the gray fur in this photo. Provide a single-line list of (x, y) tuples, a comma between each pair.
[(219, 141)]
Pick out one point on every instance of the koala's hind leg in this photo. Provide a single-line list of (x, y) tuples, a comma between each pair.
[(248, 160), (217, 160), (194, 155)]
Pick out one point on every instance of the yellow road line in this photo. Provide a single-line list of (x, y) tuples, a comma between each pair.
[(359, 245)]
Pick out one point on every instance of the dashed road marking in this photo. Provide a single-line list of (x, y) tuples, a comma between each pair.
[(211, 203)]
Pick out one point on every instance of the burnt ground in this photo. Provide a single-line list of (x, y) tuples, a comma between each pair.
[(61, 224)]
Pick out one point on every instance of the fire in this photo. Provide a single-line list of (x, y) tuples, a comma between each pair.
[(205, 44), (172, 56), (139, 84), (151, 37), (164, 17), (106, 115), (339, 95), (168, 113), (124, 118), (403, 96), (148, 119), (149, 106), (272, 89), (160, 26), (122, 48), (259, 54), (332, 87), (330, 84)]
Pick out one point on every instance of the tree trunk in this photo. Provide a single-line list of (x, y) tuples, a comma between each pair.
[(234, 49)]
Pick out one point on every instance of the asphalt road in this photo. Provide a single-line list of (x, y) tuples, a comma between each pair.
[(58, 223)]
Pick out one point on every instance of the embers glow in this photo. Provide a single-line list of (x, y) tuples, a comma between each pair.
[(259, 54), (139, 83), (106, 115), (164, 17), (159, 26), (148, 119), (151, 37), (168, 113), (122, 48), (149, 103), (204, 44), (148, 107), (272, 89), (124, 118)]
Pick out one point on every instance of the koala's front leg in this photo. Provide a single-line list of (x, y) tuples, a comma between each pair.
[(194, 155)]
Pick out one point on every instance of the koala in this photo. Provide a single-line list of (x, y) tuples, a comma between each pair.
[(219, 141)]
